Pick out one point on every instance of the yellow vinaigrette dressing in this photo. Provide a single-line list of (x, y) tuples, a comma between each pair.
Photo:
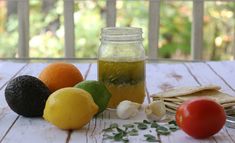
[(124, 79)]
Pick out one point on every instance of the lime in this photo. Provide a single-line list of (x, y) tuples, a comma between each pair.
[(99, 92), (65, 108)]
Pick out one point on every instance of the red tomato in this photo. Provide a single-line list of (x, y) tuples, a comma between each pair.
[(200, 118)]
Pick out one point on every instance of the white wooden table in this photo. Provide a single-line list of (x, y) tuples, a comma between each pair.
[(159, 76)]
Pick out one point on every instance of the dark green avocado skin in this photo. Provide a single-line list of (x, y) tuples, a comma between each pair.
[(26, 95)]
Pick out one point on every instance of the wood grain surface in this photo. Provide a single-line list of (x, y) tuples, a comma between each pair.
[(159, 77)]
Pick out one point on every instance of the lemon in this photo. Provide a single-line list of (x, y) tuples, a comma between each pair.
[(70, 108)]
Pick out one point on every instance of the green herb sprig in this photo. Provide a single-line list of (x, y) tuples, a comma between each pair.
[(151, 138), (122, 133)]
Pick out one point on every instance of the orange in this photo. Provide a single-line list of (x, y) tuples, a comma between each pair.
[(59, 75)]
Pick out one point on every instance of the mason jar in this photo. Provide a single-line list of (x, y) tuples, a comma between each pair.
[(121, 64)]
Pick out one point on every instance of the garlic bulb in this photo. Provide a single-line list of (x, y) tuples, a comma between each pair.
[(127, 109), (155, 110)]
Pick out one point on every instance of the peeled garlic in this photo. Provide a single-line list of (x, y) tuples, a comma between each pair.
[(127, 109), (155, 110)]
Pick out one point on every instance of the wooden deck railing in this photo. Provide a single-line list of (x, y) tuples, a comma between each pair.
[(153, 27)]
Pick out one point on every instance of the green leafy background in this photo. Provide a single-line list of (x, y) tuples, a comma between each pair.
[(47, 31)]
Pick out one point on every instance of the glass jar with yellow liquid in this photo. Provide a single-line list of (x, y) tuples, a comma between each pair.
[(121, 64)]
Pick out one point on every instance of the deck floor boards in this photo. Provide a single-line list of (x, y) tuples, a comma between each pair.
[(159, 77)]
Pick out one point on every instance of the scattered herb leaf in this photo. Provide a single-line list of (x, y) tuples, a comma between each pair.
[(173, 127), (128, 126), (151, 138), (118, 136), (114, 125), (146, 122), (138, 123), (154, 125), (173, 122), (142, 126), (116, 133), (173, 130), (121, 131), (133, 132), (162, 130)]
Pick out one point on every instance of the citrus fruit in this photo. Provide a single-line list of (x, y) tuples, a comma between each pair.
[(59, 75), (70, 108), (99, 92), (26, 95)]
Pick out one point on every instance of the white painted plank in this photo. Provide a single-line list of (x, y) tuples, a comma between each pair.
[(9, 69), (231, 133), (7, 117), (223, 137), (153, 28), (23, 28), (204, 75), (93, 74), (111, 13), (93, 131), (69, 28), (81, 135), (26, 130), (95, 127), (181, 137), (161, 77), (225, 70), (197, 29), (164, 76)]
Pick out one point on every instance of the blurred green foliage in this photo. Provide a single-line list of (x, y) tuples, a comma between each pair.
[(47, 31)]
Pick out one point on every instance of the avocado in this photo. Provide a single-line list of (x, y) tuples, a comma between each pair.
[(26, 95)]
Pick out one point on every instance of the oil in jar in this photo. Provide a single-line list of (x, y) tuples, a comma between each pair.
[(125, 79)]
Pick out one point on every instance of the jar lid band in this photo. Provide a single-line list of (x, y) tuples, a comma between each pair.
[(121, 34)]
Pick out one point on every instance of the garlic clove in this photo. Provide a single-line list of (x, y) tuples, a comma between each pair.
[(156, 110), (148, 110), (127, 109), (136, 105)]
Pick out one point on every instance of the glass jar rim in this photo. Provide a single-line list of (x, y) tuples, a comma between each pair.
[(121, 30), (121, 34)]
